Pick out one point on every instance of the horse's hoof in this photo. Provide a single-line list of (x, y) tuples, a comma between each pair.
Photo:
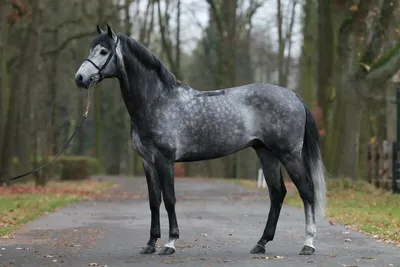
[(307, 250), (167, 251), (148, 250), (257, 249)]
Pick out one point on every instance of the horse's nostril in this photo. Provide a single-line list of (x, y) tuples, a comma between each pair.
[(80, 77)]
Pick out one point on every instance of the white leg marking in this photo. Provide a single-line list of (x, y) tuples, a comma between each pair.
[(170, 244), (311, 228)]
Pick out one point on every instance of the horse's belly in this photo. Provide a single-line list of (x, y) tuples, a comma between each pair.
[(206, 147)]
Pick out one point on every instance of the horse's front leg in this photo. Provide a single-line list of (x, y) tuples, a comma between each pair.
[(153, 185), (165, 172)]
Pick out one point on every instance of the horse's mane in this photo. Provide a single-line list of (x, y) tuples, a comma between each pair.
[(150, 61)]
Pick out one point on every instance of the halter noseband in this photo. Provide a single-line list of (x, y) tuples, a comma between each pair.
[(105, 63)]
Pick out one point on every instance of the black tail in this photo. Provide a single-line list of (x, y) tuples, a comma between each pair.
[(312, 161)]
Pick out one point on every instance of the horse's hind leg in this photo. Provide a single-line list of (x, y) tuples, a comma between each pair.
[(277, 192), (304, 184)]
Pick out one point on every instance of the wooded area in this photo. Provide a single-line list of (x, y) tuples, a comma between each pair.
[(342, 57)]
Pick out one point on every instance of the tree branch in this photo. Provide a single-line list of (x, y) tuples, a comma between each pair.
[(166, 43), (143, 28), (64, 23), (354, 12), (373, 48), (217, 16), (288, 41), (354, 23), (248, 14), (64, 44), (385, 67)]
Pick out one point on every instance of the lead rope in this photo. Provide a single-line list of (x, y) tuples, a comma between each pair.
[(91, 89)]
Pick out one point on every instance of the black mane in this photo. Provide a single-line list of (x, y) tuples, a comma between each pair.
[(150, 61), (144, 56)]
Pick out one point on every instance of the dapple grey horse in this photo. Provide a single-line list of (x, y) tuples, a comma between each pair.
[(172, 122)]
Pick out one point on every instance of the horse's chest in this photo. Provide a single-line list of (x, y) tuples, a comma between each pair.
[(150, 142)]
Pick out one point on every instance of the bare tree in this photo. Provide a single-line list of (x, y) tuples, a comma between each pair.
[(170, 47)]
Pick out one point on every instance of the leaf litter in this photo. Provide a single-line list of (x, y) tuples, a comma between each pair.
[(269, 257)]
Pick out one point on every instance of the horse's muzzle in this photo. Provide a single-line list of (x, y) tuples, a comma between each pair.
[(84, 82)]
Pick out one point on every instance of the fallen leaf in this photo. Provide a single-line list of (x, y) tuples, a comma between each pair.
[(204, 234), (54, 260), (173, 261), (49, 256), (93, 264), (353, 8), (367, 68), (270, 257)]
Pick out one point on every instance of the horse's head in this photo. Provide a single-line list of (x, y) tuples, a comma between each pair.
[(102, 60)]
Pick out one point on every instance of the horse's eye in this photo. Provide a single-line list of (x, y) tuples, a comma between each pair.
[(103, 52)]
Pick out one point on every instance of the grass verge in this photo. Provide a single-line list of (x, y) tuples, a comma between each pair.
[(20, 204)]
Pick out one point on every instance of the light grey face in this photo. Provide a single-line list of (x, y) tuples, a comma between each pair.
[(99, 65)]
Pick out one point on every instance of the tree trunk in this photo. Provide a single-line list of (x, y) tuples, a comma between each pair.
[(31, 56), (347, 123), (307, 70), (4, 92), (52, 100), (325, 62), (178, 42), (281, 45), (29, 53)]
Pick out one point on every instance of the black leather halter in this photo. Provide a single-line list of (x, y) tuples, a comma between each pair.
[(100, 69)]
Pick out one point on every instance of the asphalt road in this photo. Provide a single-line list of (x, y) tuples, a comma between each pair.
[(219, 224)]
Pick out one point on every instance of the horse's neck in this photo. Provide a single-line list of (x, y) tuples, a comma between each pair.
[(135, 88)]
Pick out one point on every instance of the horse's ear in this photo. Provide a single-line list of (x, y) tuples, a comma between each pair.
[(99, 30), (110, 32)]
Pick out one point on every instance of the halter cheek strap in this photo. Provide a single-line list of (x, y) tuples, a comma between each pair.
[(100, 69)]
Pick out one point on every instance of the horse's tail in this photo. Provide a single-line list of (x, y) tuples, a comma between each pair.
[(312, 160)]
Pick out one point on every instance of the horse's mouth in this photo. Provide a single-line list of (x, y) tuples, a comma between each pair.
[(92, 81)]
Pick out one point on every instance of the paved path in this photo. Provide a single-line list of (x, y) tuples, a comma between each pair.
[(219, 224)]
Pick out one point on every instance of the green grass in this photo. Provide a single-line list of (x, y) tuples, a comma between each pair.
[(20, 204), (17, 210)]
